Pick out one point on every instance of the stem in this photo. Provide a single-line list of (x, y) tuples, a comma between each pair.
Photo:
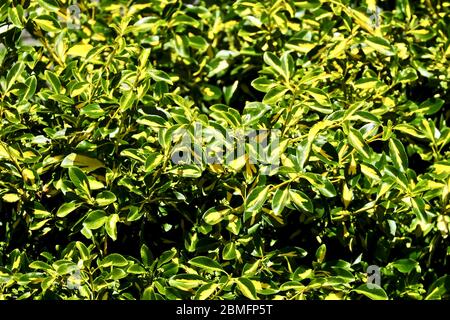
[(430, 7), (11, 157), (40, 36), (289, 110), (103, 69), (221, 288)]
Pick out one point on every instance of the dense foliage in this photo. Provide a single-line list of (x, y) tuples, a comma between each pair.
[(96, 95)]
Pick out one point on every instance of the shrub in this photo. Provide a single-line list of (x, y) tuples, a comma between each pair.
[(348, 200)]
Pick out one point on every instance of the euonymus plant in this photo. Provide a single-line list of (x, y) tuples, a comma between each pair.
[(96, 95)]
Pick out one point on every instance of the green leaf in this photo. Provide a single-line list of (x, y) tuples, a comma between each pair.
[(166, 256), (398, 154), (276, 64), (134, 214), (418, 207), (431, 106), (301, 200), (40, 265), (159, 75), (422, 34), (275, 94), (288, 65), (62, 99), (133, 154), (78, 89), (31, 84), (88, 164), (13, 74), (214, 215), (95, 219), (67, 208), (84, 251), (367, 83), (228, 91), (117, 274), (79, 50), (53, 79), (304, 148), (229, 251), (321, 252), (410, 130), (217, 66), (436, 293), (253, 112), (183, 19), (280, 200), (320, 96), (198, 42), (11, 197), (405, 265), (186, 282), (153, 160), (372, 291), (381, 45), (64, 267), (357, 141), (15, 17), (127, 100), (187, 171), (247, 288), (211, 92), (405, 8), (51, 5), (205, 291), (146, 255), (47, 23), (149, 294), (111, 226), (323, 185), (105, 198), (79, 179), (256, 199), (370, 172), (206, 263), (114, 260), (136, 269), (263, 84), (292, 285), (438, 288), (407, 75), (92, 110)]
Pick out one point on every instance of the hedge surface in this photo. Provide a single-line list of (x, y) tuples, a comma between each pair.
[(95, 97)]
